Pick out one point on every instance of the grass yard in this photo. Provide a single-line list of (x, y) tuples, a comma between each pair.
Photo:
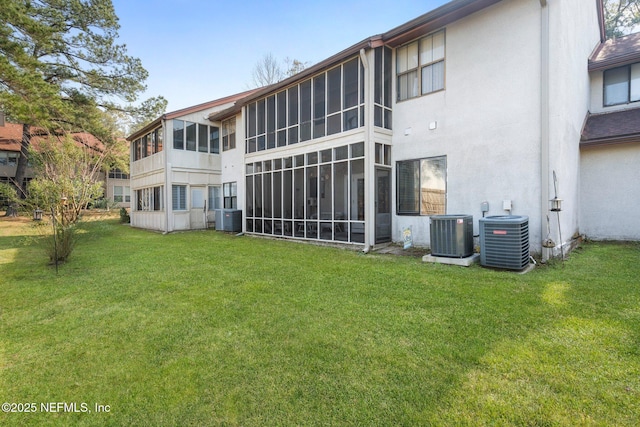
[(204, 328)]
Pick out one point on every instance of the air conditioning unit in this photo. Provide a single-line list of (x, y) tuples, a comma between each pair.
[(229, 220), (451, 235), (504, 241)]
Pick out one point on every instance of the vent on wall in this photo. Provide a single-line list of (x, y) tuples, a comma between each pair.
[(504, 241), (451, 235)]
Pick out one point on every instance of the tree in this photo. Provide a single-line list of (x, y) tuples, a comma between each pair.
[(61, 70), (268, 71), (621, 17)]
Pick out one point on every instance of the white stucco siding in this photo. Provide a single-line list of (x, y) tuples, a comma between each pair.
[(574, 35), (610, 192), (486, 119)]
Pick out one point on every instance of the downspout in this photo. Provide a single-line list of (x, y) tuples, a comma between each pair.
[(544, 121), (369, 214), (167, 165)]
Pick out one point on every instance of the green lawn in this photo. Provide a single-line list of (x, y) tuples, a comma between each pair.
[(204, 328)]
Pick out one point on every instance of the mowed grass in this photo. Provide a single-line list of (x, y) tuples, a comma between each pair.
[(205, 328)]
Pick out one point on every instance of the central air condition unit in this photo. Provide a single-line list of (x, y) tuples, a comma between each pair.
[(451, 235), (504, 241)]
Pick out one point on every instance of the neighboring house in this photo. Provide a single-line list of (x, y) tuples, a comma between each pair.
[(610, 145), (116, 184), (10, 137), (476, 101), (176, 168)]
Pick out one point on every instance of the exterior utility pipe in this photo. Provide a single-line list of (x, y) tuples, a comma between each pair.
[(544, 119)]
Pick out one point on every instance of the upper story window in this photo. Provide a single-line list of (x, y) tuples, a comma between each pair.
[(331, 102), (420, 66), (118, 174), (229, 134), (147, 145), (195, 137), (622, 85)]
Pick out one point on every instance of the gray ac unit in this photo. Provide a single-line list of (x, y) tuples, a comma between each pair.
[(451, 235), (504, 241), (229, 220)]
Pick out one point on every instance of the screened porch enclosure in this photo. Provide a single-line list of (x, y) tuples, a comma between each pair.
[(317, 195)]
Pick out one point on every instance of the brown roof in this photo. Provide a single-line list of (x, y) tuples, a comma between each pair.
[(616, 52), (189, 110), (11, 137), (611, 128)]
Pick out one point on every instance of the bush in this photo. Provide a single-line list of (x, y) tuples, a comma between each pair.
[(61, 243), (124, 216)]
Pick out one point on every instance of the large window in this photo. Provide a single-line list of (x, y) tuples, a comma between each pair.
[(230, 192), (179, 197), (420, 66), (229, 134), (118, 174), (421, 186), (317, 195), (121, 193), (331, 102), (622, 85), (149, 144), (149, 199), (195, 137)]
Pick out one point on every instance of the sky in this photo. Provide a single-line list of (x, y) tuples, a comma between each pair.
[(200, 50)]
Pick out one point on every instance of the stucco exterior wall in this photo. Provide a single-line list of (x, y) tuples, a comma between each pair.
[(610, 192), (487, 118), (574, 35)]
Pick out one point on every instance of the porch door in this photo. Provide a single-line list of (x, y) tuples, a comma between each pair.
[(197, 213), (383, 205)]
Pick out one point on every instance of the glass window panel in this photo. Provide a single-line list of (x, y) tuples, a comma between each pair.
[(203, 138), (387, 77), (334, 83), (319, 106), (616, 86), (401, 59), (635, 83), (277, 195), (215, 201), (387, 155), (267, 164), (412, 55), (312, 158), (257, 186), (282, 110), (214, 139), (312, 192), (159, 140), (293, 135), (377, 116), (251, 120), (388, 116), (325, 156), (299, 160), (377, 73), (426, 50), (433, 186), (298, 200), (357, 149), (334, 124), (357, 190), (178, 134), (287, 194), (251, 145), (341, 190), (282, 138), (350, 119), (260, 116), (197, 198), (407, 180), (268, 195), (341, 153), (293, 105), (438, 45), (191, 136), (288, 164), (261, 142), (325, 192), (350, 83), (277, 164), (249, 196), (305, 111)]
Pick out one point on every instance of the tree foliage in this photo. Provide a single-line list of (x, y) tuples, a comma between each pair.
[(61, 69), (621, 17), (268, 70)]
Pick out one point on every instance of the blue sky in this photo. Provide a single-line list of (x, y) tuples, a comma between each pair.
[(198, 50)]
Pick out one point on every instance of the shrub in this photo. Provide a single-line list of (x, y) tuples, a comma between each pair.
[(61, 243), (124, 216)]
